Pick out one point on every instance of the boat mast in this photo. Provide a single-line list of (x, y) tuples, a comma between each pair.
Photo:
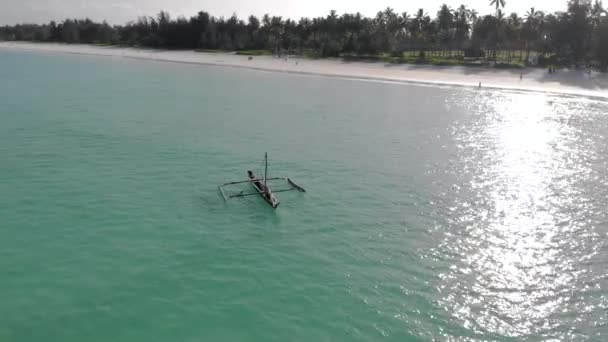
[(265, 167)]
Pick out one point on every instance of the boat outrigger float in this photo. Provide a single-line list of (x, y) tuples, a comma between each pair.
[(262, 187)]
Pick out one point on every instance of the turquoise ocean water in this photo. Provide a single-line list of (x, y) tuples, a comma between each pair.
[(431, 214)]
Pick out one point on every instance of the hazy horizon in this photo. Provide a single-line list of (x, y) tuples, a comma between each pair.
[(122, 11)]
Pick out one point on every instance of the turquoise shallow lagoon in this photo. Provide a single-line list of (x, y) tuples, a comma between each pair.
[(432, 213)]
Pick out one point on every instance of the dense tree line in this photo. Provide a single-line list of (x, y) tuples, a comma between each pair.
[(578, 35)]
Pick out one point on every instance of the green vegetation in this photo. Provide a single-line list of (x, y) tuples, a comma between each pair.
[(504, 59), (254, 52), (576, 36), (212, 50)]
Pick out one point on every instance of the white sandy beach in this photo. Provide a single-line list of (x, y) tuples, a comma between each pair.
[(574, 82)]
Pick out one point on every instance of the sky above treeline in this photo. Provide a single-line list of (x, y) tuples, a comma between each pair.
[(122, 11)]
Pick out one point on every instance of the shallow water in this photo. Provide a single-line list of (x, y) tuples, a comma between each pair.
[(431, 213)]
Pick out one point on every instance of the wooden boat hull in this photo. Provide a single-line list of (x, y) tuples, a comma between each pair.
[(266, 194)]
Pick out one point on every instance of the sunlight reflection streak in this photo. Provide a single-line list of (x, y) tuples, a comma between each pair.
[(524, 236)]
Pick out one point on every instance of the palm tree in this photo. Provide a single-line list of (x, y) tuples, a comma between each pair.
[(393, 21), (445, 18), (498, 4), (531, 28), (380, 19), (462, 17), (266, 20), (499, 18), (405, 20), (463, 11), (513, 32), (392, 26), (597, 11), (417, 24), (333, 15), (531, 14), (474, 16), (445, 23), (276, 28), (514, 20)]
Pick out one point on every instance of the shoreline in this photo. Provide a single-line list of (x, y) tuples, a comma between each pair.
[(565, 82)]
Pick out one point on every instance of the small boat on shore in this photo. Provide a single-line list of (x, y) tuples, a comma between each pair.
[(261, 186)]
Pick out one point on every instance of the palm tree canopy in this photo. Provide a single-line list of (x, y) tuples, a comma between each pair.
[(498, 4), (474, 15), (531, 14), (514, 19), (500, 15), (445, 17)]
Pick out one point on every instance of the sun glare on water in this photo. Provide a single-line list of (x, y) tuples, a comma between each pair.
[(521, 244)]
